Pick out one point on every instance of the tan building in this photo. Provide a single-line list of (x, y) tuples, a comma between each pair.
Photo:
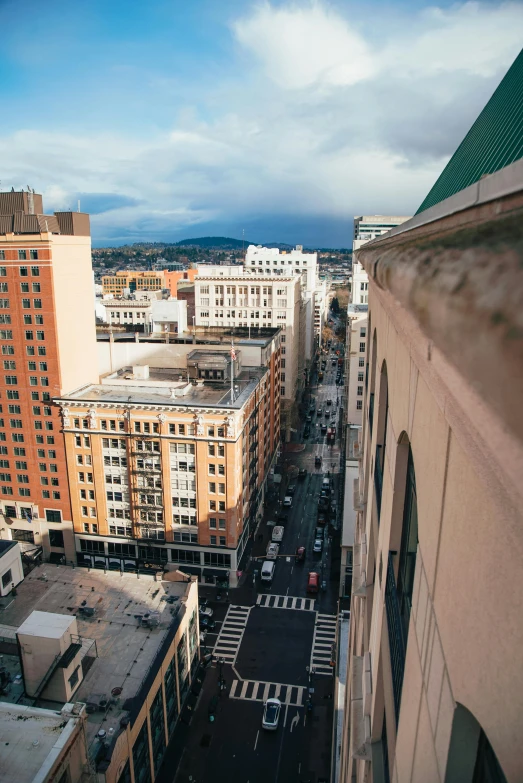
[(133, 280), (95, 689), (434, 690), (165, 467), (48, 345)]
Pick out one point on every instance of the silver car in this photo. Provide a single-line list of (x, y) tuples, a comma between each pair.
[(271, 714)]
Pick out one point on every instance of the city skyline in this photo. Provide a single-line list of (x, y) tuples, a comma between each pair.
[(280, 119)]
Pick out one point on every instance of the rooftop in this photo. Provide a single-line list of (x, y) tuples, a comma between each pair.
[(125, 649), (28, 736), (259, 337), (169, 387)]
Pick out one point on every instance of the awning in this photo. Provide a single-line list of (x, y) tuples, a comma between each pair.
[(221, 574)]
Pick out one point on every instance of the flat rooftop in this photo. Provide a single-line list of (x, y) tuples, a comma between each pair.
[(164, 387), (27, 737), (125, 649), (218, 336)]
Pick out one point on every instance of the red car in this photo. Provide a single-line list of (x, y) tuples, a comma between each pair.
[(313, 582), (300, 555)]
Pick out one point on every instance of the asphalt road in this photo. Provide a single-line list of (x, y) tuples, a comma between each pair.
[(278, 637)]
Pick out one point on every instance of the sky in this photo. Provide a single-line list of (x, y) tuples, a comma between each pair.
[(281, 119)]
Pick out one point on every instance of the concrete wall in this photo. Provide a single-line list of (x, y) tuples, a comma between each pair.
[(11, 561), (465, 628), (75, 323)]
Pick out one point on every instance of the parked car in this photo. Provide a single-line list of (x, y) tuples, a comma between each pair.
[(299, 557), (306, 431), (322, 519), (287, 501), (320, 411), (313, 582), (308, 418), (323, 504), (283, 517), (318, 546), (272, 551), (291, 489), (323, 429), (327, 414), (271, 714), (207, 623), (302, 473), (329, 402), (317, 461), (206, 611)]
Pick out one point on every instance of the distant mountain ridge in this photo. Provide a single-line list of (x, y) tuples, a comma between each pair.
[(226, 243)]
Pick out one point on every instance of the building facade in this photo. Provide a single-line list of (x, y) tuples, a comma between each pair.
[(226, 296), (434, 688), (48, 345), (367, 227), (128, 280), (164, 467)]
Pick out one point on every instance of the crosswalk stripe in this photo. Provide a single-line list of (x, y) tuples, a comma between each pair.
[(231, 633), (269, 601), (252, 690), (322, 642)]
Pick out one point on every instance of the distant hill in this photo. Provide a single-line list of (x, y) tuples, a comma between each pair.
[(226, 243)]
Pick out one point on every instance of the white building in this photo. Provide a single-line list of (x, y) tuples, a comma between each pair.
[(271, 261), (169, 316), (242, 299), (357, 319), (367, 227)]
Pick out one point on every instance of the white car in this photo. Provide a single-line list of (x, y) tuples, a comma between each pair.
[(318, 545), (206, 611), (287, 501), (271, 714)]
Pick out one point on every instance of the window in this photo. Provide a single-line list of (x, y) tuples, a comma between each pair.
[(4, 304), (40, 336), (24, 492), (29, 335), (213, 540), (11, 380), (36, 288), (212, 520), (17, 437), (22, 256), (363, 332), (7, 578), (211, 450), (221, 505), (16, 424), (362, 347), (212, 505), (282, 391), (26, 304), (12, 394), (22, 478), (361, 362), (221, 489), (44, 380), (33, 255), (360, 391), (6, 334), (7, 490), (210, 432), (223, 541), (39, 319), (43, 366), (4, 288), (53, 516), (56, 538), (222, 524), (24, 288), (360, 377), (9, 364)]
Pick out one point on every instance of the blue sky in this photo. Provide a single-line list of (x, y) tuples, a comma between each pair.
[(170, 119)]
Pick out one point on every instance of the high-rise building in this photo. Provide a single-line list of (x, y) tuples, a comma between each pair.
[(48, 344), (229, 296), (430, 673), (367, 227), (169, 456)]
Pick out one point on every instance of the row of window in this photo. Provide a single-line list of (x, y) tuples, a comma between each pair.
[(5, 304), (22, 256), (177, 555), (12, 380), (26, 493), (17, 437), (24, 288)]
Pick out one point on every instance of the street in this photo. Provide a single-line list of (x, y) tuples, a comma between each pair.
[(273, 640)]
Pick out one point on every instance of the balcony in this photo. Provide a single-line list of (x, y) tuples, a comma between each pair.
[(147, 468), (378, 478), (396, 638)]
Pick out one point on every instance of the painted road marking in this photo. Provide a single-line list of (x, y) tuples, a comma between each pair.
[(268, 601), (324, 638), (231, 633), (254, 690), (295, 721)]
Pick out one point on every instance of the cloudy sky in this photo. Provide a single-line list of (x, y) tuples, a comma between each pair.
[(283, 118)]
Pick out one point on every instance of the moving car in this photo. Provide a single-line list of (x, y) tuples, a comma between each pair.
[(291, 489), (308, 418), (206, 611), (320, 411), (322, 519), (318, 533), (317, 461), (323, 504), (277, 534), (272, 551), (271, 714), (306, 431), (313, 582), (267, 571), (287, 501), (329, 402), (323, 429), (318, 546), (327, 414), (302, 473), (208, 623), (299, 557)]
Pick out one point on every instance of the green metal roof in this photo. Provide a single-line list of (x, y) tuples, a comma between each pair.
[(494, 141)]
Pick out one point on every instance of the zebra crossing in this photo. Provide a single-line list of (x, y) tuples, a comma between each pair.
[(231, 633), (252, 690), (322, 643), (270, 601)]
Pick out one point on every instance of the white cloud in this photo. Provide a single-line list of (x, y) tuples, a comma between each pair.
[(326, 123), (304, 45)]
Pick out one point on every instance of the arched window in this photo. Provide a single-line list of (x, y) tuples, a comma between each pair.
[(381, 436), (471, 757), (409, 546)]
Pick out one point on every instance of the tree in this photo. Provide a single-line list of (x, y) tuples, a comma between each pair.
[(335, 305)]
